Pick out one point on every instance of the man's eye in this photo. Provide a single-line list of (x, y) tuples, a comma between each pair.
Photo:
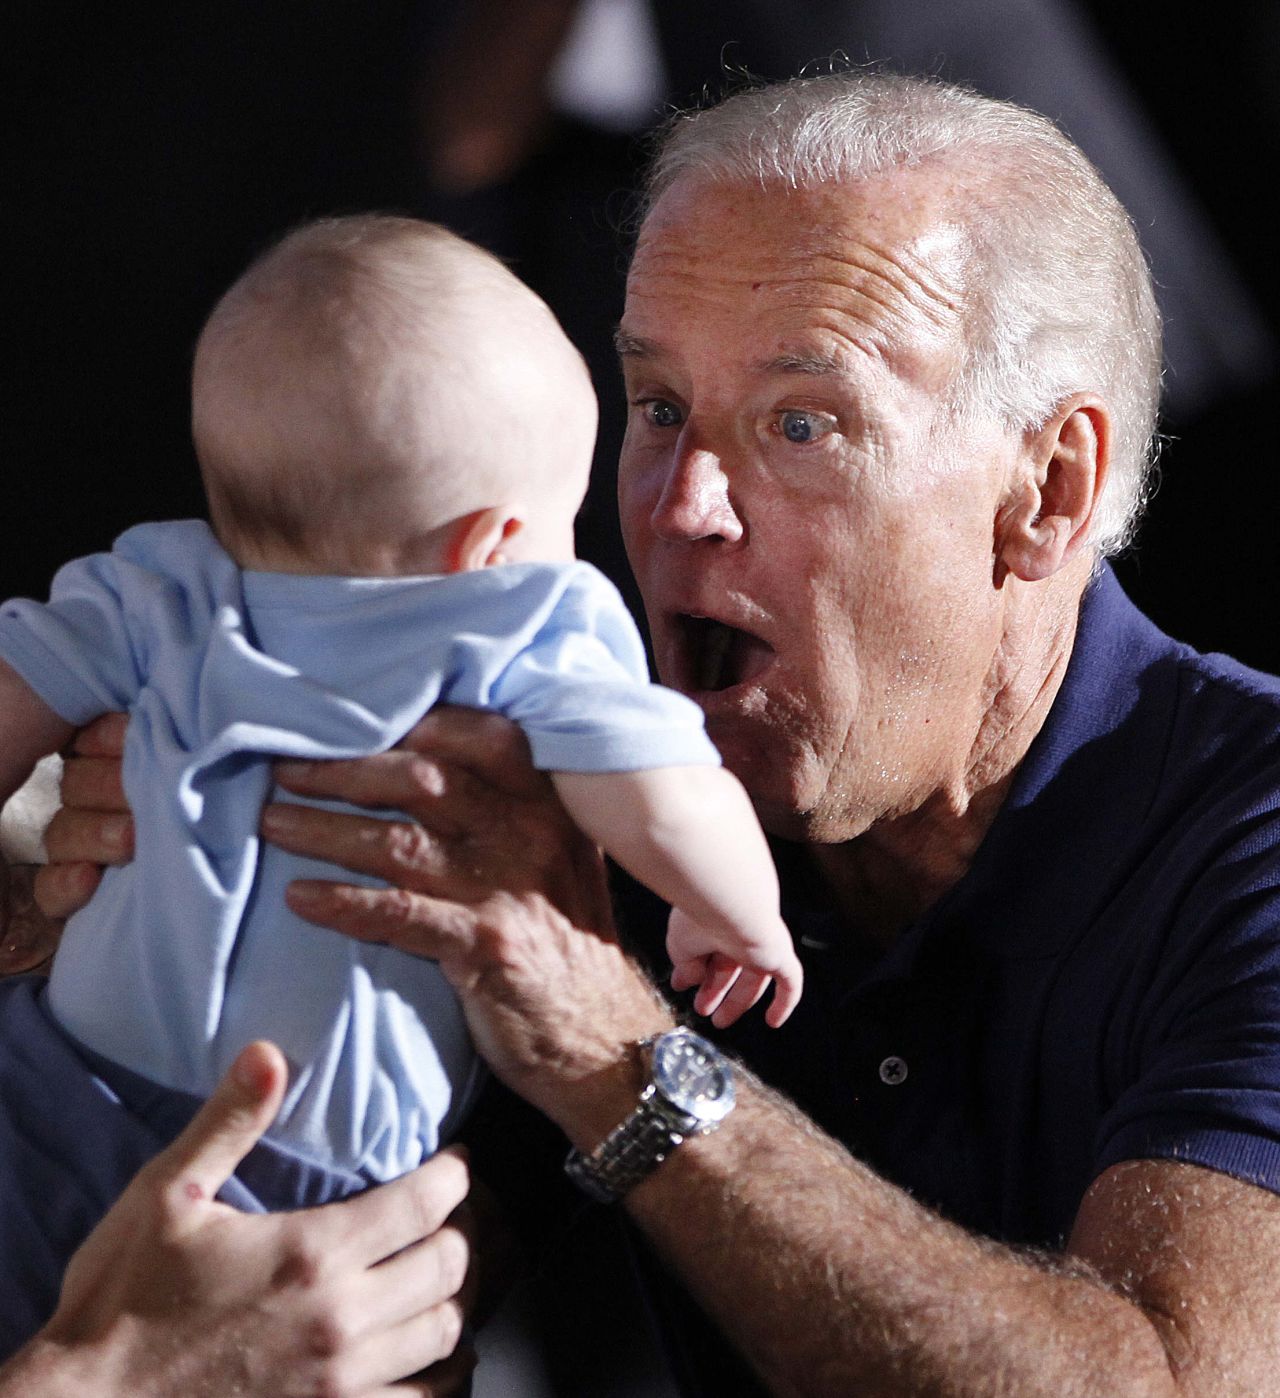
[(659, 413), (797, 425)]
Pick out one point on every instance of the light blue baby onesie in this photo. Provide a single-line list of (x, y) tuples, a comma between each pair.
[(188, 952)]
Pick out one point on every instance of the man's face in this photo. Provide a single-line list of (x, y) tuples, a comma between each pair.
[(812, 534)]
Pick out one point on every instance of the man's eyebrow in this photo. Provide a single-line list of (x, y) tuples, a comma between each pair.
[(632, 346), (812, 364)]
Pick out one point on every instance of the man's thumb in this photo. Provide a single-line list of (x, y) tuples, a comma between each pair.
[(229, 1124)]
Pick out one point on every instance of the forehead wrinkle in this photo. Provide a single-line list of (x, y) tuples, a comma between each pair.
[(878, 297), (897, 282), (863, 317), (885, 289), (943, 290)]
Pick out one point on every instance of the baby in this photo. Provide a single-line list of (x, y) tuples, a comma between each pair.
[(395, 436)]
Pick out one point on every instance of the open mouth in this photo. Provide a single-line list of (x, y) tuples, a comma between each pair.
[(714, 656)]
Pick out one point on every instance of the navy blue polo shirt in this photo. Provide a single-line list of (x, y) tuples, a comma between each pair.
[(1104, 983)]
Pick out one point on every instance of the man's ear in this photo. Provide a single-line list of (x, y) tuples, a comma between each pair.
[(1045, 522), (475, 540)]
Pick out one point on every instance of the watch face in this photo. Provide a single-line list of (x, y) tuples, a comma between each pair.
[(693, 1075)]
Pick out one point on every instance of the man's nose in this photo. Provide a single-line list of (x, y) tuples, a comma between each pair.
[(695, 502)]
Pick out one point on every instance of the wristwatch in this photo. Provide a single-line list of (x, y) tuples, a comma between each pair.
[(689, 1093)]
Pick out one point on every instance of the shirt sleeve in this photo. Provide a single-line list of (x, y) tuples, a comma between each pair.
[(1204, 1048), (582, 694), (89, 649), (75, 651)]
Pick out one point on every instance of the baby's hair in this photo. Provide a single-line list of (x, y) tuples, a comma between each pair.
[(313, 384)]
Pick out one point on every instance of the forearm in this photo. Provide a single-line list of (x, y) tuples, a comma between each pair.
[(29, 730), (688, 833), (831, 1281)]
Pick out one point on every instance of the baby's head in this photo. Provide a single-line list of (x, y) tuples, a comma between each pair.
[(378, 396)]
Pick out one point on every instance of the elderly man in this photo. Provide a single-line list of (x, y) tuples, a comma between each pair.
[(893, 362)]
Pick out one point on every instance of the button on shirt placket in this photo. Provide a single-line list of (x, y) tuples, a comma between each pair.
[(893, 1070)]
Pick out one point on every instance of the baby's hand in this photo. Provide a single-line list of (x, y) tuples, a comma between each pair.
[(729, 986)]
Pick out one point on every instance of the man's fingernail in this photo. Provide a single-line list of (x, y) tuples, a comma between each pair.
[(118, 831), (276, 820), (302, 893)]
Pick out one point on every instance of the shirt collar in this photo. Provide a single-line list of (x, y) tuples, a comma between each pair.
[(1078, 803)]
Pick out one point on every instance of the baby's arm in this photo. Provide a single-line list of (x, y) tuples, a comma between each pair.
[(691, 835), (29, 730)]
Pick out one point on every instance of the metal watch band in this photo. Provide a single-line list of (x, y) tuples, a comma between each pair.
[(628, 1154), (689, 1092)]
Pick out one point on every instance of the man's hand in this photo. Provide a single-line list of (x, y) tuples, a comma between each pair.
[(94, 827), (175, 1293), (492, 879), (28, 938)]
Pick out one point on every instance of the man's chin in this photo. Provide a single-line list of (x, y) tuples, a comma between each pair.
[(787, 810), (762, 772)]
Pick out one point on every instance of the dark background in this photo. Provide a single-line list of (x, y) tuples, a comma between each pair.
[(151, 150)]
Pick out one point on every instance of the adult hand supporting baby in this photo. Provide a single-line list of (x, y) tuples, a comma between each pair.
[(492, 879), (174, 1293), (93, 828)]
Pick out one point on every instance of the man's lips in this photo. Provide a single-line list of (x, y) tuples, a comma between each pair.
[(709, 656)]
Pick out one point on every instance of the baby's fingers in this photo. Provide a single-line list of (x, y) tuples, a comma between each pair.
[(786, 996), (747, 989), (721, 977), (685, 974)]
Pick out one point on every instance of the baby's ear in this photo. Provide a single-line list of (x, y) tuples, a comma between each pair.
[(475, 540)]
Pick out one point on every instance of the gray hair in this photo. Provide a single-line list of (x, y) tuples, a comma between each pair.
[(1065, 302)]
